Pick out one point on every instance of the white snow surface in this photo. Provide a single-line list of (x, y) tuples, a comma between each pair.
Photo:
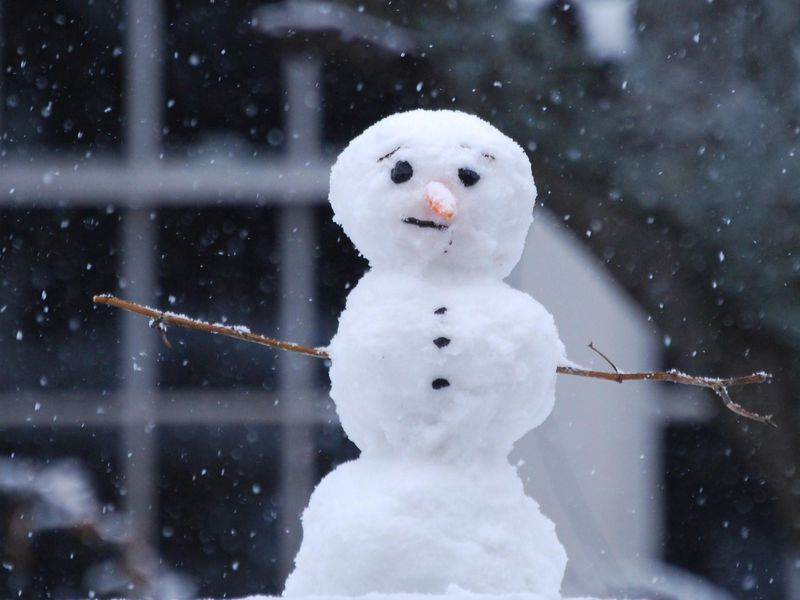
[(500, 362), (380, 524), (452, 594), (436, 369)]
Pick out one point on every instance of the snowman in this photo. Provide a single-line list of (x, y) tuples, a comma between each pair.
[(437, 368)]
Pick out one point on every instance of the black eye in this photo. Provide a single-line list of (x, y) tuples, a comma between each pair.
[(468, 177), (402, 171)]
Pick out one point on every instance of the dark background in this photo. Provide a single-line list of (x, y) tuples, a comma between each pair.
[(683, 152)]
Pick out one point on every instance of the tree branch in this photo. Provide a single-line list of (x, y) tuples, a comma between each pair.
[(161, 319), (718, 385), (604, 357)]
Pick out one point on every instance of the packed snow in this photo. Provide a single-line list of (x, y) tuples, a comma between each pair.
[(493, 350), (437, 368), (452, 594), (487, 235)]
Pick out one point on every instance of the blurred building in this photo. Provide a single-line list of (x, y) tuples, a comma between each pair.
[(177, 153)]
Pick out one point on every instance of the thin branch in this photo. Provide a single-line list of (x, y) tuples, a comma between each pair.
[(159, 324), (718, 385), (605, 358), (161, 319), (672, 376)]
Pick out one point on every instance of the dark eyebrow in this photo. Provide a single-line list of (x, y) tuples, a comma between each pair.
[(483, 154), (389, 154)]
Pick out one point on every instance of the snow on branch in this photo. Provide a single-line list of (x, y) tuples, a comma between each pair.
[(160, 319)]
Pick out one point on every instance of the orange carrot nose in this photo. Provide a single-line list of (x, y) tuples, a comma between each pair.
[(440, 199)]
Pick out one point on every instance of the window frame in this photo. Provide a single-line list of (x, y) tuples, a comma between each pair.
[(139, 182)]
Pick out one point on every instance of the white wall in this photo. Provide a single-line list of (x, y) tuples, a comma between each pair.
[(594, 466)]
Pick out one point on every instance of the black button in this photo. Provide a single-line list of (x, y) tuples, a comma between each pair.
[(439, 383), (440, 311), (441, 342)]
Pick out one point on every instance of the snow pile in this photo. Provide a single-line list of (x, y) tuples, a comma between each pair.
[(380, 524), (437, 368), (453, 594)]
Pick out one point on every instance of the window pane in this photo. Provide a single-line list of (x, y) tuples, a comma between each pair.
[(51, 263), (219, 507), (357, 93), (215, 264), (62, 76), (223, 81)]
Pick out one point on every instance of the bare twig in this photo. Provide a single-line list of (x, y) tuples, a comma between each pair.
[(163, 318), (720, 386), (162, 330), (605, 358)]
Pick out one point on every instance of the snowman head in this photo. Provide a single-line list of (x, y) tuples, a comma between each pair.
[(439, 191)]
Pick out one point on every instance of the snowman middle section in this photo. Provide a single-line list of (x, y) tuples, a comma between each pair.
[(451, 369), (434, 379)]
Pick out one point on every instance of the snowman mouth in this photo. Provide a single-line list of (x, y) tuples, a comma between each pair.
[(424, 224)]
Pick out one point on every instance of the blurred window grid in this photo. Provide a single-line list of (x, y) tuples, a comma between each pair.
[(151, 140)]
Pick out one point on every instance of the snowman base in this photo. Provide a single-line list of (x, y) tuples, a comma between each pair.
[(454, 594), (408, 526)]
